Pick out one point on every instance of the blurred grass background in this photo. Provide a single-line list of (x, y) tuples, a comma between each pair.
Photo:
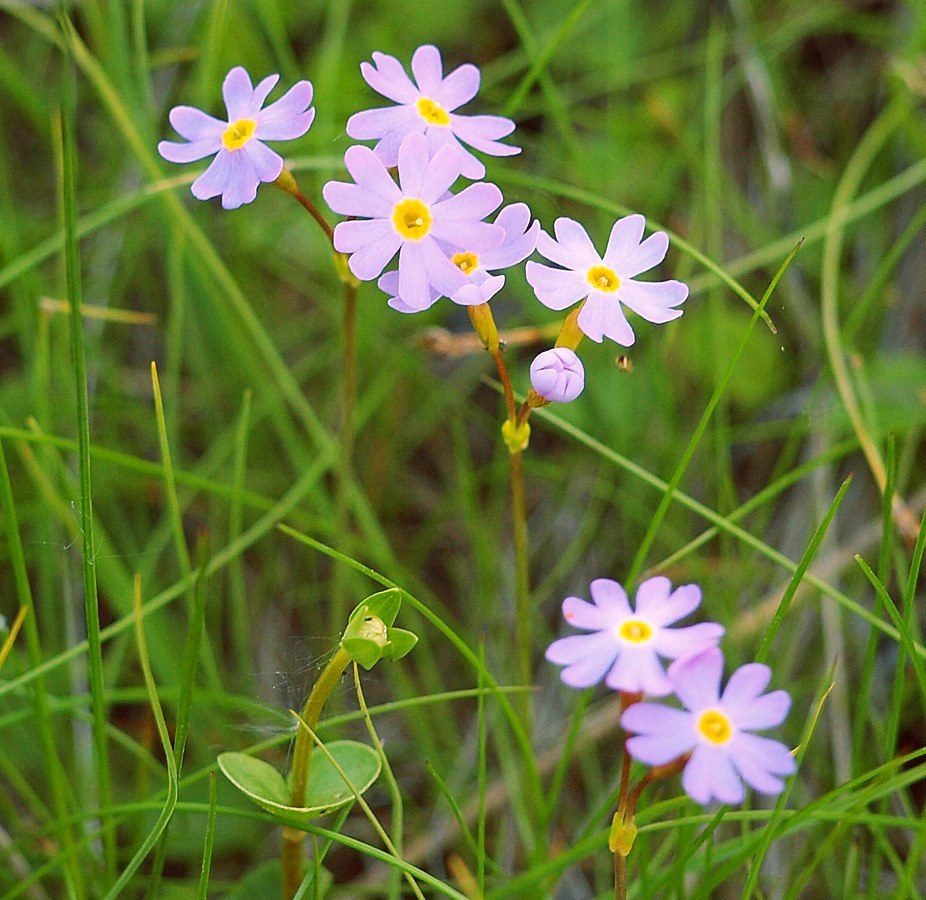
[(740, 127)]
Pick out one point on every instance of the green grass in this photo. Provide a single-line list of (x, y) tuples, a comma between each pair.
[(191, 447)]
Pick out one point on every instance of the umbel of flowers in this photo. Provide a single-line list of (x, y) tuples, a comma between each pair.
[(711, 739)]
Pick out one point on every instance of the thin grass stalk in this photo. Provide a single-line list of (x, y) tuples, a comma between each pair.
[(53, 767), (78, 351), (396, 830), (695, 440), (868, 148), (209, 842), (170, 802)]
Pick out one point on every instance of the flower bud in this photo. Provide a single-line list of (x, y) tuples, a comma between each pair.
[(558, 375)]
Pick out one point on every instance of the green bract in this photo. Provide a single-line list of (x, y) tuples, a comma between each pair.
[(370, 637)]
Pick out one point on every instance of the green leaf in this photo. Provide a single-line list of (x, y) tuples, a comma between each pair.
[(364, 651), (400, 642), (326, 789), (384, 605)]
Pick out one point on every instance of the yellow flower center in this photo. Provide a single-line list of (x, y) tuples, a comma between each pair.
[(715, 726), (635, 631), (433, 113), (465, 261), (238, 134), (412, 219), (603, 279)]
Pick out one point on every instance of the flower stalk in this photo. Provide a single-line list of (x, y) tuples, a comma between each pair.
[(293, 838)]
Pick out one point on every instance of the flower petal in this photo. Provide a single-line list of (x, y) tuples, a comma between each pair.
[(443, 170), (212, 182), (520, 240), (368, 261), (372, 124), (482, 133), (443, 275), (626, 234), (459, 87), (267, 164), (237, 92), (231, 175), (414, 287), (354, 200), (610, 595), (650, 253), (675, 643), (473, 294), (261, 92), (588, 656), (349, 237), (195, 125), (413, 164), (556, 288), (602, 317), (651, 598), (760, 713), (593, 617), (745, 685), (428, 69), (369, 171), (665, 606), (696, 679), (288, 118), (660, 733), (759, 760), (638, 669), (185, 153), (388, 77), (710, 773), (653, 300)]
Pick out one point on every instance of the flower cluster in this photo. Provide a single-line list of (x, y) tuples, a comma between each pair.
[(444, 243), (712, 735)]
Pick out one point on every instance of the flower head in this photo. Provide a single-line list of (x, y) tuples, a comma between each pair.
[(558, 375), (606, 282), (426, 106), (519, 242), (242, 161), (417, 218), (716, 729), (625, 644)]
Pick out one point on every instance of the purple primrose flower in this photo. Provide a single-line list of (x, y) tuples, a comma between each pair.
[(625, 645), (426, 106), (242, 161), (558, 375), (606, 283), (716, 729), (417, 218), (519, 242)]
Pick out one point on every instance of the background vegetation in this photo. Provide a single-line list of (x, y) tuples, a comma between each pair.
[(741, 127)]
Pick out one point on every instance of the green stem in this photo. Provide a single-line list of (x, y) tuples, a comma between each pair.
[(620, 877), (523, 615), (293, 838)]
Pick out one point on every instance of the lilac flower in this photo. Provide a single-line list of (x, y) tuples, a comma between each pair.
[(242, 160), (606, 282), (558, 375), (427, 106), (715, 729), (416, 217), (519, 242), (627, 644)]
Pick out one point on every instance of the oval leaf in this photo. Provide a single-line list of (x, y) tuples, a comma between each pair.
[(326, 789)]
